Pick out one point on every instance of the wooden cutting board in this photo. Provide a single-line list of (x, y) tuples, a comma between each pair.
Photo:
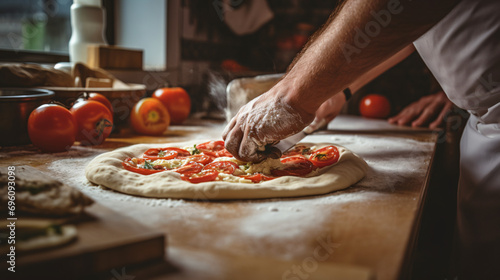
[(106, 241)]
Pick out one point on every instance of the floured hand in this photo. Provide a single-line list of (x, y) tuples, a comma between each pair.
[(263, 121)]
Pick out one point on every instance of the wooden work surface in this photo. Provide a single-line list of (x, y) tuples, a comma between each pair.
[(369, 228)]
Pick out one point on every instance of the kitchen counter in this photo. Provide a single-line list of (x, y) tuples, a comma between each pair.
[(367, 229)]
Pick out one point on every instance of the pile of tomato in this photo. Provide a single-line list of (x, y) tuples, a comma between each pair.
[(153, 115), (201, 167), (53, 128)]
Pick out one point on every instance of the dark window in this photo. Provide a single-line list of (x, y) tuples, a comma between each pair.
[(36, 25)]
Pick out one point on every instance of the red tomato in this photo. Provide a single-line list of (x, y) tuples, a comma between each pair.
[(102, 99), (94, 121), (325, 156), (177, 102), (149, 117), (52, 128), (299, 40), (294, 166), (297, 150), (375, 106), (204, 176), (155, 154), (232, 65), (131, 165), (181, 153), (223, 153), (267, 178), (255, 178), (211, 148), (190, 168), (203, 159), (165, 153), (227, 167)]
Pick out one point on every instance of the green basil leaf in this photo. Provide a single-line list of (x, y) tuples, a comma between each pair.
[(195, 151), (148, 165)]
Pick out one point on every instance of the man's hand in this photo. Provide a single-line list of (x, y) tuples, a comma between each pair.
[(330, 62), (263, 121), (331, 108), (427, 111)]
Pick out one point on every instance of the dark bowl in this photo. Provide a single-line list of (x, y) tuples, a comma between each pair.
[(122, 99), (16, 105)]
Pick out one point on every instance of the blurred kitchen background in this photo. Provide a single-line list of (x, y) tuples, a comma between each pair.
[(198, 45), (203, 45)]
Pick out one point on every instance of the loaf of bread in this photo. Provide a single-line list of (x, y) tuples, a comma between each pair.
[(32, 75)]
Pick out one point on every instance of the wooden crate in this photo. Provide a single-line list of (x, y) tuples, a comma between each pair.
[(112, 57)]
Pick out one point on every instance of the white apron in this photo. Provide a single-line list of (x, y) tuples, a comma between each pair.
[(463, 53)]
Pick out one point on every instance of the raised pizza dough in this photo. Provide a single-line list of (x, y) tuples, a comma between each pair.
[(68, 234), (38, 193), (106, 170)]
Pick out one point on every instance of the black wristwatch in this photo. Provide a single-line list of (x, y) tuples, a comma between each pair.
[(348, 94)]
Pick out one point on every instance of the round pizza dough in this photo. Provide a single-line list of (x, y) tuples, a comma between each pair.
[(106, 170)]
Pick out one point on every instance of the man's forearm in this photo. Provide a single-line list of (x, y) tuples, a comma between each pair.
[(378, 70), (361, 36)]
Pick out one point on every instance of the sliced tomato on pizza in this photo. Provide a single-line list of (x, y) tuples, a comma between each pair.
[(226, 167), (141, 166), (190, 168), (294, 166), (210, 161), (301, 150), (223, 153), (203, 176), (257, 177), (211, 147), (165, 153), (203, 159), (325, 156)]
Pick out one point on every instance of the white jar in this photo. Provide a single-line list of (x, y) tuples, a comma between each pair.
[(87, 25)]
